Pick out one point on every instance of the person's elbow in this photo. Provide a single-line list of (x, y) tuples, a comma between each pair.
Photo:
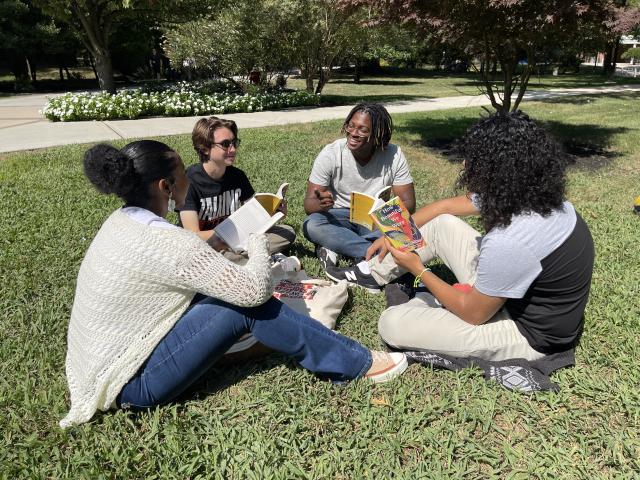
[(475, 318)]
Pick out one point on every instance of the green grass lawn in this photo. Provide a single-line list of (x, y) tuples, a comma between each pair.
[(271, 419), (399, 85)]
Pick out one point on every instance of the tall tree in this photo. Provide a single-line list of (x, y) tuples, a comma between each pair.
[(94, 20), (315, 35), (511, 34), (27, 36)]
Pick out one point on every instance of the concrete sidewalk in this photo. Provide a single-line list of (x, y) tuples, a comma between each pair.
[(22, 127)]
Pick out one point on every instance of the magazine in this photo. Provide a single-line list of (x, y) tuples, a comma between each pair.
[(362, 205), (394, 220)]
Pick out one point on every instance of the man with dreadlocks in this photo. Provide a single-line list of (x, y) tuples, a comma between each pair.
[(364, 161)]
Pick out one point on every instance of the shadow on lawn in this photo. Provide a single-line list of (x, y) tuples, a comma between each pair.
[(375, 82), (330, 100), (587, 145), (585, 99)]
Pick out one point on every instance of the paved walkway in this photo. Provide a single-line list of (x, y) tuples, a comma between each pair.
[(22, 127)]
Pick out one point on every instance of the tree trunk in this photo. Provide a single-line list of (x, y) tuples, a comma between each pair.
[(614, 55), (357, 72), (31, 69), (92, 62), (608, 64), (60, 73), (309, 80), (104, 71)]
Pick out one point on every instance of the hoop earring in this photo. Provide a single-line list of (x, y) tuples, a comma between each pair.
[(171, 203)]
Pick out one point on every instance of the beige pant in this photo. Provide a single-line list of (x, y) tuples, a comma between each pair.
[(280, 238), (422, 323)]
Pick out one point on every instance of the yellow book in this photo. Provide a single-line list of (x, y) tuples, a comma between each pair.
[(362, 205), (271, 202)]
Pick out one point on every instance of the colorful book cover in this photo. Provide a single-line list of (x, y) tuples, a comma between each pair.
[(394, 220)]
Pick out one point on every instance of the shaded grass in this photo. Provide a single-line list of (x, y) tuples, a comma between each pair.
[(271, 419), (402, 85)]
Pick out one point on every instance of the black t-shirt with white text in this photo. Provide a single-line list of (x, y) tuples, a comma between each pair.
[(215, 200)]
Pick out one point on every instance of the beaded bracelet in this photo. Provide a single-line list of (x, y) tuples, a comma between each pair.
[(419, 277)]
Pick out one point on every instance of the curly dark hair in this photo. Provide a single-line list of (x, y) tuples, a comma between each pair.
[(381, 123), (129, 172), (514, 166)]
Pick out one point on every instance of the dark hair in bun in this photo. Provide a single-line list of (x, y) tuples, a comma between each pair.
[(129, 172)]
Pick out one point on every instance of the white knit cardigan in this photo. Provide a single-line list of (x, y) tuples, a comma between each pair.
[(134, 283)]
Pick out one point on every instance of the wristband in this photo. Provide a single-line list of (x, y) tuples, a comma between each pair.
[(419, 277)]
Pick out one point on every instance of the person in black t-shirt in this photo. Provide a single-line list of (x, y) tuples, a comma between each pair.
[(217, 188)]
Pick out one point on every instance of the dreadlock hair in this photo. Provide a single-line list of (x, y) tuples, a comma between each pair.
[(513, 166), (381, 123)]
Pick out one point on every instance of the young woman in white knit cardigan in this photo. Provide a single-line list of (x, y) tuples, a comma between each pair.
[(156, 306)]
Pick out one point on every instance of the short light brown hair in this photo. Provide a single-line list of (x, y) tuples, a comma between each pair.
[(202, 134)]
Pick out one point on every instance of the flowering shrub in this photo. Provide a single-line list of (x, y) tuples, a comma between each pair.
[(181, 100)]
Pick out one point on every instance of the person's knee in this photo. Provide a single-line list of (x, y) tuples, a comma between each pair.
[(312, 226), (390, 326)]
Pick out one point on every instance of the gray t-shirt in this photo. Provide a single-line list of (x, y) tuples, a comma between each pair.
[(336, 168), (510, 257)]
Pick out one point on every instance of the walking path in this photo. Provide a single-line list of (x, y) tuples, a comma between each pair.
[(22, 127)]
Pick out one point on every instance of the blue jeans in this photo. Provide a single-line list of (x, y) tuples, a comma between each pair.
[(209, 328), (334, 231)]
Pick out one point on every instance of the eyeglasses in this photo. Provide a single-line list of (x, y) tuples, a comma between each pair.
[(351, 129), (226, 144)]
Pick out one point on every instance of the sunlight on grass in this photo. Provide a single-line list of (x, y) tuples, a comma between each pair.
[(274, 420)]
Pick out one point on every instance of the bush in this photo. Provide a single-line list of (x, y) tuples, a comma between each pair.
[(631, 53), (177, 100)]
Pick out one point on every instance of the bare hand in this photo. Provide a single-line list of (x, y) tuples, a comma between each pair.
[(379, 247), (283, 207), (410, 261), (325, 198)]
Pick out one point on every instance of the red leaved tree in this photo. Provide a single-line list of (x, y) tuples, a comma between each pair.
[(510, 34)]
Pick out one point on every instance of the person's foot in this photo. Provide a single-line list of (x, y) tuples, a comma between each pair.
[(328, 258), (353, 276), (385, 366)]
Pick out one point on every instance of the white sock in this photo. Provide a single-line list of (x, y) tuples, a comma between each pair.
[(331, 255), (364, 267)]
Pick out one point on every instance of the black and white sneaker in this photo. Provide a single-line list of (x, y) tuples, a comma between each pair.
[(354, 276), (328, 258)]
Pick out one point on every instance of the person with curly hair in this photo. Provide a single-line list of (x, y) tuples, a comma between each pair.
[(155, 306), (364, 161), (524, 285)]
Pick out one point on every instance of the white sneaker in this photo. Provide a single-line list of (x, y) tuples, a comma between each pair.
[(386, 365)]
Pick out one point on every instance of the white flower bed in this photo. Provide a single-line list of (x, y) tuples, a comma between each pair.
[(181, 101)]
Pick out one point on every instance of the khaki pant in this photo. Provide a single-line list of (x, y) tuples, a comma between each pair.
[(422, 323), (280, 238)]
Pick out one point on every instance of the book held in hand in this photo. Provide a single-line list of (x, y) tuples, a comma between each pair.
[(394, 220), (249, 218), (271, 202), (362, 205)]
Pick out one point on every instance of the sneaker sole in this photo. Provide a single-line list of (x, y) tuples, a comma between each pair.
[(375, 291), (390, 374)]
